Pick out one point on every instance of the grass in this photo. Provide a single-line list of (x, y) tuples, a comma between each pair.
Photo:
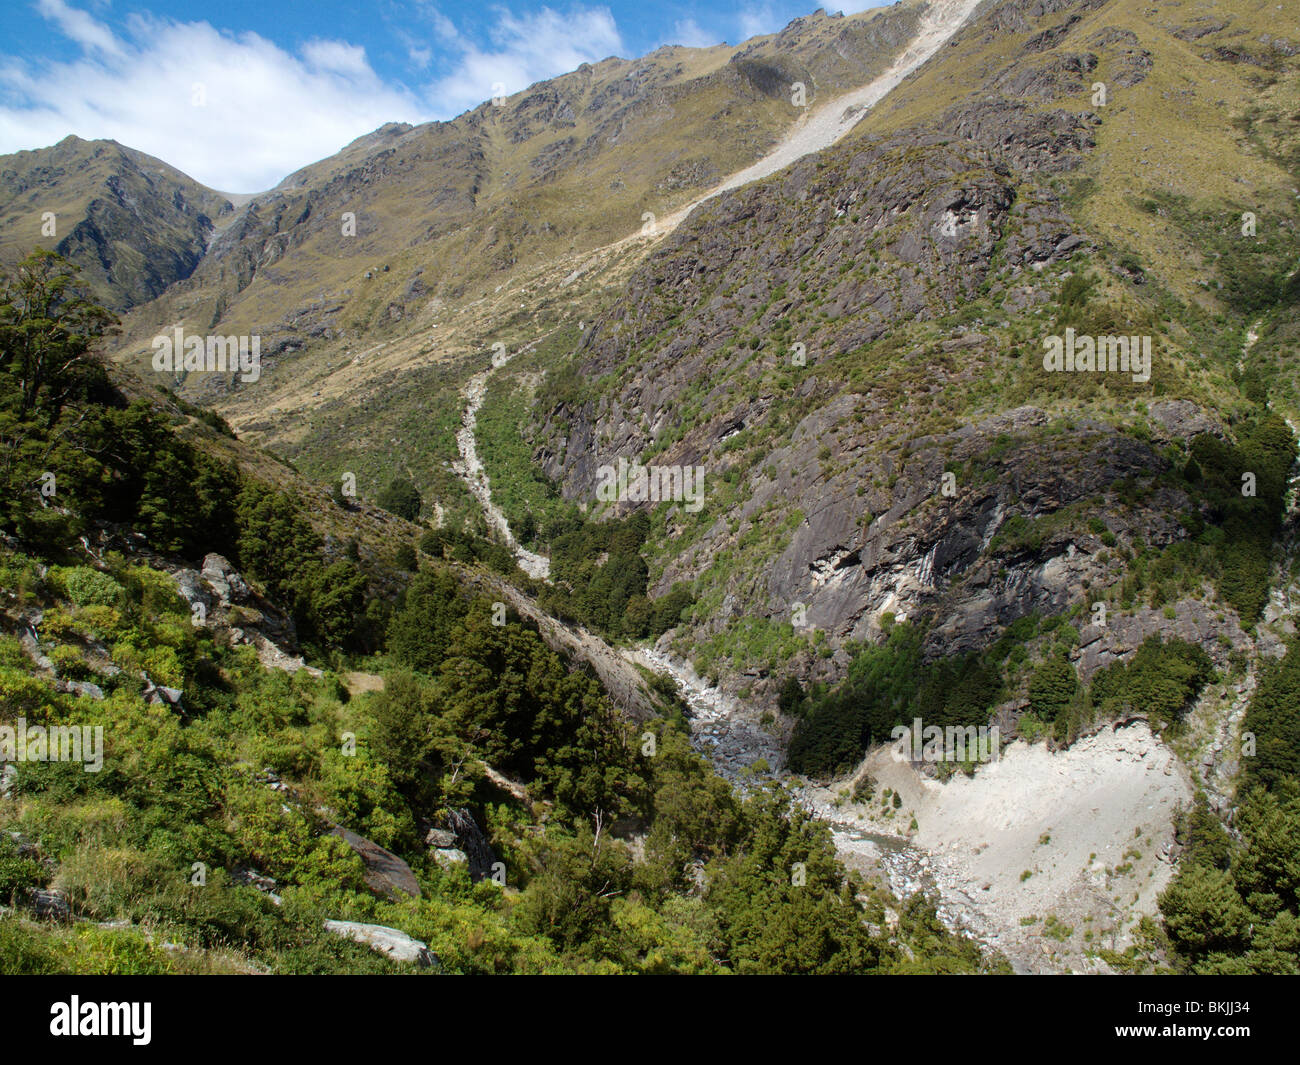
[(528, 499)]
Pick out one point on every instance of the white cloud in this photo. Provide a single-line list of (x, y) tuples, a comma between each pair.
[(442, 25), (338, 58), (756, 20), (266, 112), (525, 49), (690, 33), (79, 26)]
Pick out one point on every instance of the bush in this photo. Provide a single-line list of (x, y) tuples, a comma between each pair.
[(402, 498), (1052, 688), (18, 872), (89, 587), (790, 700)]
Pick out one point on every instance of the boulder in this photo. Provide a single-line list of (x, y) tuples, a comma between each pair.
[(450, 857), (32, 648), (224, 580), (386, 873), (51, 904), (158, 694), (82, 688), (390, 941)]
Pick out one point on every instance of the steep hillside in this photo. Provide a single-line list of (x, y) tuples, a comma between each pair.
[(448, 210), (833, 342), (497, 227), (444, 779), (132, 223), (973, 394)]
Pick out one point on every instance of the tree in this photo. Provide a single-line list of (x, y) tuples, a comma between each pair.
[(403, 729), (48, 331), (574, 880), (1267, 871), (1161, 678), (420, 632), (668, 608), (402, 498), (336, 598), (1204, 914), (1274, 719), (276, 542), (1052, 688), (405, 558), (791, 696), (781, 902)]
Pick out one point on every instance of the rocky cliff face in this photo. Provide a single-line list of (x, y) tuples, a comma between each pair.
[(757, 261), (852, 350)]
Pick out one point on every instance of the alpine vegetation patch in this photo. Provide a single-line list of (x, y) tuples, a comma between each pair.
[(634, 483), (1107, 354), (196, 354), (53, 743), (955, 743)]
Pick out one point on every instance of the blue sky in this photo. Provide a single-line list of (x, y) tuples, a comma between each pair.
[(241, 93)]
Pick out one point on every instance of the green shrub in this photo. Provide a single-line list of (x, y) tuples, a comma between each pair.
[(402, 498), (18, 872), (90, 587)]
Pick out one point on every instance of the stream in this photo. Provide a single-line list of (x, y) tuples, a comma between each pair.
[(723, 728), (470, 469), (728, 732)]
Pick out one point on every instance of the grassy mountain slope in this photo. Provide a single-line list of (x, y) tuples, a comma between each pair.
[(450, 209), (487, 793), (905, 513), (501, 226)]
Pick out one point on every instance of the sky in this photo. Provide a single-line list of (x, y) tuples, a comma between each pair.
[(241, 93)]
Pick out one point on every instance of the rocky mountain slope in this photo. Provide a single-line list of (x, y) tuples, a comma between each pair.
[(374, 276), (853, 348), (843, 320), (132, 223), (375, 239)]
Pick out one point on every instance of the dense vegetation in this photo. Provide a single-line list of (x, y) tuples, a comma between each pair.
[(891, 684), (619, 849), (401, 497), (1240, 487), (746, 885), (1235, 905), (600, 575), (887, 685)]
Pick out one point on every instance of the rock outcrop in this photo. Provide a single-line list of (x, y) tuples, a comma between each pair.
[(396, 944), (386, 873)]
